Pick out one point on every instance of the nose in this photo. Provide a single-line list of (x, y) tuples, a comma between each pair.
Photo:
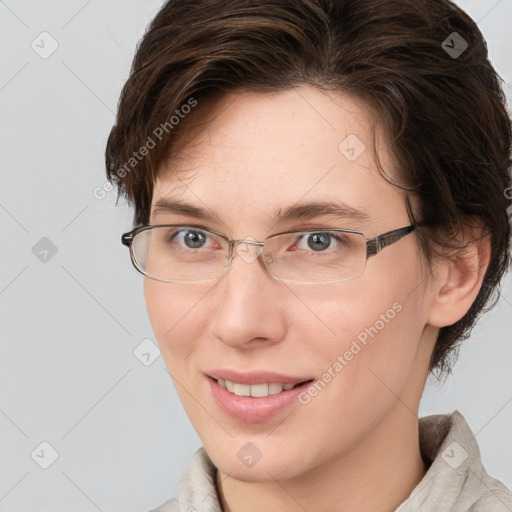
[(248, 301)]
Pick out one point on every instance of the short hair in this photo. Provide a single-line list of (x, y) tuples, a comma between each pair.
[(421, 65)]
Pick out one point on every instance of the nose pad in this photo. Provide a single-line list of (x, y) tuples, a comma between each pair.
[(248, 251)]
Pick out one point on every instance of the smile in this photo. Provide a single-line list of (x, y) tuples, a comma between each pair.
[(257, 390)]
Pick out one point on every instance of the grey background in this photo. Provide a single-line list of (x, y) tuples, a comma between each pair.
[(70, 323)]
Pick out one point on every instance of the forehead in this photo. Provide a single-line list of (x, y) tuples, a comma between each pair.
[(250, 153)]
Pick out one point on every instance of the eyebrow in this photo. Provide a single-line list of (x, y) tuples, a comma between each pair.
[(301, 211)]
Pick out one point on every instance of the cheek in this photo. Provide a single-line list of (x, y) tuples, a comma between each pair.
[(170, 310), (368, 333), (371, 341), (159, 306)]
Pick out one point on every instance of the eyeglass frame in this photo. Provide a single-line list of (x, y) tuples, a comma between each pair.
[(373, 245)]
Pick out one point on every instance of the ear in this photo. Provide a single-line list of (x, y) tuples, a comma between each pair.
[(458, 280)]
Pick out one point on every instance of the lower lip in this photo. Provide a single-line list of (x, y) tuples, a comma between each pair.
[(251, 409)]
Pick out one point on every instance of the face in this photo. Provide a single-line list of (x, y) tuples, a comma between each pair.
[(363, 341)]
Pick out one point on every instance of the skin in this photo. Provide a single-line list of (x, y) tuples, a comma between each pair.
[(355, 445)]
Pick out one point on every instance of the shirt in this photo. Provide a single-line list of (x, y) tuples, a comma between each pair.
[(455, 481)]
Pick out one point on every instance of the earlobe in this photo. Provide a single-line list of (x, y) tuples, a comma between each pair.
[(458, 282)]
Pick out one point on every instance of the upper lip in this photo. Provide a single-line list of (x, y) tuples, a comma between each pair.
[(255, 377)]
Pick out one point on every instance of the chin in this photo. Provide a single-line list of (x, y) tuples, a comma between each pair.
[(270, 467)]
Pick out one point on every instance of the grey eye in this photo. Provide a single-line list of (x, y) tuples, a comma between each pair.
[(192, 238), (318, 241)]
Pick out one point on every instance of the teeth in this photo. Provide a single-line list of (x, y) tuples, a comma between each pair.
[(254, 390)]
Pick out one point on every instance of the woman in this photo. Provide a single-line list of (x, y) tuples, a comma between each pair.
[(321, 213)]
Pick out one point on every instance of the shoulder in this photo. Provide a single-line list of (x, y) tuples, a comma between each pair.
[(495, 500), (197, 490), (169, 506), (456, 479)]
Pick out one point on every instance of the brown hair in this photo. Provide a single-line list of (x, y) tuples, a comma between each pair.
[(443, 112)]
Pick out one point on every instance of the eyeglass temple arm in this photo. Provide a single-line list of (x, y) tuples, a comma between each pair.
[(378, 243)]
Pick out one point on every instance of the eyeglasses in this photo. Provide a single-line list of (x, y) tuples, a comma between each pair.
[(180, 253)]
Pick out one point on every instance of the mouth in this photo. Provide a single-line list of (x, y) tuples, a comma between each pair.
[(258, 390), (255, 403)]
